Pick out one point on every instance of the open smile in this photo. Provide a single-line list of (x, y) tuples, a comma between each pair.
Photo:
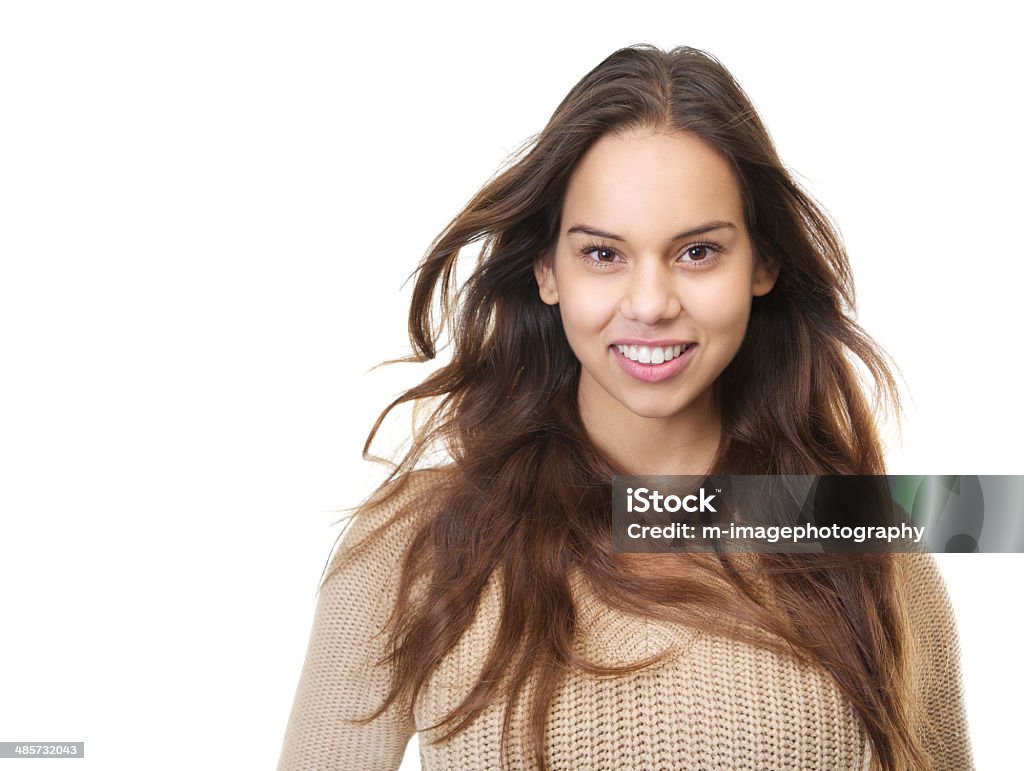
[(653, 363)]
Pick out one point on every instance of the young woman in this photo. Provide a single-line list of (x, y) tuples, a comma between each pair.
[(654, 295)]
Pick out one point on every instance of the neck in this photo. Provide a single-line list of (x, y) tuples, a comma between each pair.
[(680, 444)]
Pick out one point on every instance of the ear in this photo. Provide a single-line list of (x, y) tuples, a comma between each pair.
[(545, 274), (766, 273)]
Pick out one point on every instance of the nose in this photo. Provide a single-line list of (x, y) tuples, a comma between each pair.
[(651, 294)]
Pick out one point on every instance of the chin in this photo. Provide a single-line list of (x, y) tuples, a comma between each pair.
[(655, 410)]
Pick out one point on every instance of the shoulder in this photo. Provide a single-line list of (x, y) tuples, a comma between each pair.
[(348, 670), (936, 665), (924, 587), (378, 534), (929, 609)]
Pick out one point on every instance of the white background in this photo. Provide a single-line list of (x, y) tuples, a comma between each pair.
[(207, 211)]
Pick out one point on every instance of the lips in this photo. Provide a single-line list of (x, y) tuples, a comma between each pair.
[(630, 358)]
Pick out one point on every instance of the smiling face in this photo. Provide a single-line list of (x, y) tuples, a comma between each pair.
[(654, 273)]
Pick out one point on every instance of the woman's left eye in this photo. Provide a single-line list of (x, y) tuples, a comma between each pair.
[(699, 254)]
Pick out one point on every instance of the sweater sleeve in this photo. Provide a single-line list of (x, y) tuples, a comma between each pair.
[(340, 678), (944, 732)]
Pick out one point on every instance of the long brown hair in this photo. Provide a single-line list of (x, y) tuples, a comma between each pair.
[(527, 493)]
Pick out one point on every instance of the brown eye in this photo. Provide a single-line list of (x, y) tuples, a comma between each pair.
[(599, 256), (700, 255)]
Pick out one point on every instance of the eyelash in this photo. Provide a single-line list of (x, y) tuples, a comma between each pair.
[(600, 265)]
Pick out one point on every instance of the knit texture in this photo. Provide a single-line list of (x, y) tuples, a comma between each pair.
[(714, 703)]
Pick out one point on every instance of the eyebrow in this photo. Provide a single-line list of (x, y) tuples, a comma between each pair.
[(699, 230)]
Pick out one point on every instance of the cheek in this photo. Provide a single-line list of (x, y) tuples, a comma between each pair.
[(586, 311), (724, 309)]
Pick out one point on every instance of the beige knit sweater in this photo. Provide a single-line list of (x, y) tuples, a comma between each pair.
[(715, 703)]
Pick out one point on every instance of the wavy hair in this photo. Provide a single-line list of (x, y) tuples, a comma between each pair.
[(528, 494)]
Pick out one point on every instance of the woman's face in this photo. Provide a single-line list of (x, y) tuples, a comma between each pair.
[(654, 273)]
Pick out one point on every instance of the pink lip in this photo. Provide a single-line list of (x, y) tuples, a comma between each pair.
[(653, 373)]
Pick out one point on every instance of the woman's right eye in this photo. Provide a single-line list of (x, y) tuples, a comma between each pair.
[(600, 255)]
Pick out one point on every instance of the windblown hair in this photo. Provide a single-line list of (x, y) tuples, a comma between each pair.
[(528, 494)]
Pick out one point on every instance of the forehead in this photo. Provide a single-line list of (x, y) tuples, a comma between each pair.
[(648, 182)]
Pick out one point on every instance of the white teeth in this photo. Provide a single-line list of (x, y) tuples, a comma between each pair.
[(645, 354)]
